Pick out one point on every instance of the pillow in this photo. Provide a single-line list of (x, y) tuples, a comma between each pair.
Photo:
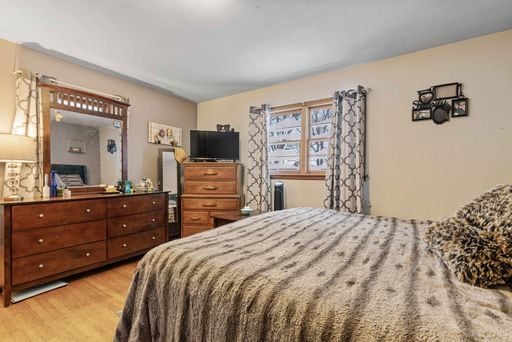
[(490, 211), (476, 243), (72, 180), (60, 183)]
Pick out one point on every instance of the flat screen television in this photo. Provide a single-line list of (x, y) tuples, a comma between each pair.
[(212, 145)]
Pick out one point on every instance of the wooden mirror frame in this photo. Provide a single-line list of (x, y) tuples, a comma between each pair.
[(58, 97)]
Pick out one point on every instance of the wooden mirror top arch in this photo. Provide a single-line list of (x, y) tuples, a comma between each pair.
[(58, 97)]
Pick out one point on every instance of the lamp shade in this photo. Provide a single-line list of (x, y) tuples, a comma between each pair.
[(17, 148)]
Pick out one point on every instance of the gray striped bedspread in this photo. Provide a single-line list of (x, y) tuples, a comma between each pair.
[(308, 274)]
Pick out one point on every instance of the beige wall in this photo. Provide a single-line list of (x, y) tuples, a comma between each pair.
[(146, 104), (64, 133), (417, 169), (110, 163), (7, 57)]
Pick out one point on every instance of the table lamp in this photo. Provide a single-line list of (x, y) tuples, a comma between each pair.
[(16, 149)]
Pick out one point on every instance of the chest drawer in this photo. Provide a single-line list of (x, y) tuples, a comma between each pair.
[(124, 225), (135, 204), (54, 214), (210, 173), (208, 187), (34, 241), (196, 217), (133, 243), (211, 203), (42, 265)]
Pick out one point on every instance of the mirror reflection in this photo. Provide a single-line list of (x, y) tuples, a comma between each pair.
[(85, 149)]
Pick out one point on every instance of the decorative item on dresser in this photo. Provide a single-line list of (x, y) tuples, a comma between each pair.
[(48, 239), (209, 188), (169, 181), (15, 149)]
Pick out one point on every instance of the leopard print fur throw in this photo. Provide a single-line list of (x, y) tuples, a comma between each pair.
[(476, 243)]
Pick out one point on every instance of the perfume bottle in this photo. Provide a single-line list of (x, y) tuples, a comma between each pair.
[(120, 186), (53, 184), (127, 187), (46, 188)]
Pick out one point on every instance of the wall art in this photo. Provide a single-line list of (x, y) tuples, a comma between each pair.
[(163, 134), (460, 107), (432, 103)]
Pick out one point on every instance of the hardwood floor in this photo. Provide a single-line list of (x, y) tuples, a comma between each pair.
[(85, 310)]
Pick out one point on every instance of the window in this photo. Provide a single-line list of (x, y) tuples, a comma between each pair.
[(299, 138)]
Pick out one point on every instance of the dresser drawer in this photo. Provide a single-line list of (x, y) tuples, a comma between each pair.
[(54, 214), (133, 243), (34, 241), (211, 203), (124, 225), (206, 187), (210, 173), (196, 217), (191, 230), (135, 204), (50, 263)]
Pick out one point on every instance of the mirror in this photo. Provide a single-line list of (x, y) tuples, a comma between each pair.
[(84, 137), (85, 149), (168, 171)]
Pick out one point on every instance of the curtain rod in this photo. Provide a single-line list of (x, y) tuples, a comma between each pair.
[(54, 81)]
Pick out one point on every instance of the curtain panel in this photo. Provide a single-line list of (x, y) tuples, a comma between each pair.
[(345, 173), (259, 191), (21, 178)]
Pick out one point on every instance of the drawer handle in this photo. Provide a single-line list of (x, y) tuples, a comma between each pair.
[(210, 172), (124, 225), (154, 202), (87, 254), (40, 266), (210, 187), (195, 218), (125, 245), (209, 205), (40, 241), (124, 206), (41, 215), (153, 238), (153, 220), (87, 210)]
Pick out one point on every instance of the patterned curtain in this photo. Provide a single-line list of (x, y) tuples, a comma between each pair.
[(20, 178), (259, 192), (346, 159)]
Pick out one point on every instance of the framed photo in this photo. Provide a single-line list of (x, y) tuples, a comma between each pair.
[(425, 96), (460, 107), (164, 135), (421, 114), (447, 91)]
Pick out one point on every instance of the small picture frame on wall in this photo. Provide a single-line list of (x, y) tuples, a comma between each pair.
[(425, 96), (421, 114), (447, 91), (162, 134), (460, 107)]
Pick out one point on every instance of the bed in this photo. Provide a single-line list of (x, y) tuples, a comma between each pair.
[(71, 175), (308, 274)]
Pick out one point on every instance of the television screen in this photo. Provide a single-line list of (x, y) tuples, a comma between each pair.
[(214, 145)]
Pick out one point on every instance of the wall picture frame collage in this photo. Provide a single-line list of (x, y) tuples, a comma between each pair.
[(438, 102)]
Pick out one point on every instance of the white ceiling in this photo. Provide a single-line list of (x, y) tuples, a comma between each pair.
[(204, 49), (74, 118)]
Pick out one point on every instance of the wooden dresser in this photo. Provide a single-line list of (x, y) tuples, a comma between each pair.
[(44, 240), (209, 188)]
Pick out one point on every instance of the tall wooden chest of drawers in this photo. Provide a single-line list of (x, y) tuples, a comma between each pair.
[(41, 241), (208, 188)]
